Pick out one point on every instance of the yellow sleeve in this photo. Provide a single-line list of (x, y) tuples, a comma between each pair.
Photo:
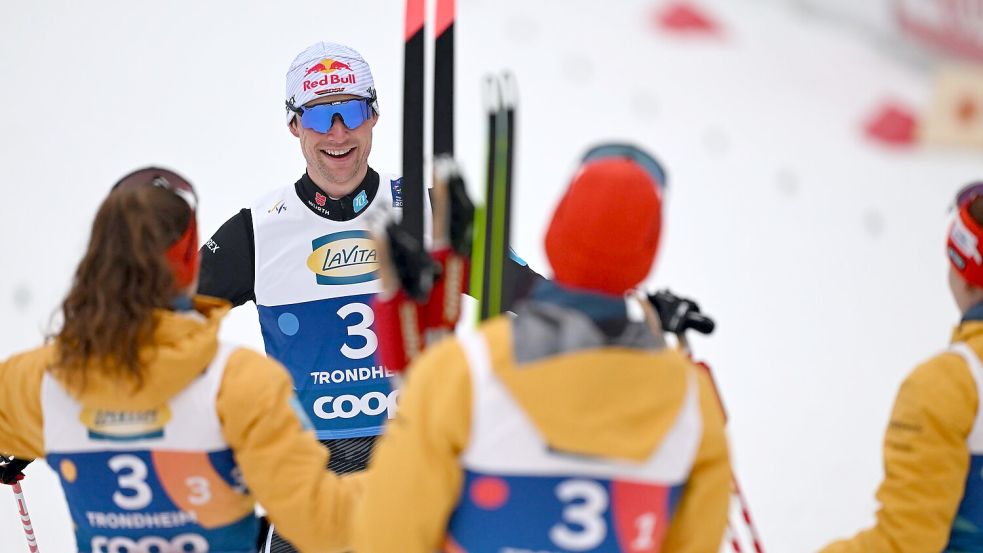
[(415, 476), (925, 461), (283, 464), (701, 517), (21, 431)]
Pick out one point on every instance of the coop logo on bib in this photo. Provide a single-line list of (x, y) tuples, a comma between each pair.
[(125, 425), (347, 257)]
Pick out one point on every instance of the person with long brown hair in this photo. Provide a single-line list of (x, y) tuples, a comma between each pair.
[(163, 436)]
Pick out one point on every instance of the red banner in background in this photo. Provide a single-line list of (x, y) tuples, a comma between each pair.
[(954, 27)]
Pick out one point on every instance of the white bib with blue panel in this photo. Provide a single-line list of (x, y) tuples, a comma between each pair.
[(518, 495), (967, 528), (162, 479), (314, 282)]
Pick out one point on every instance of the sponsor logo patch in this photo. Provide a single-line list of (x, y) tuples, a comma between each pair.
[(279, 207), (397, 187), (348, 406), (329, 70), (327, 65), (360, 201), (966, 241), (124, 426), (346, 257)]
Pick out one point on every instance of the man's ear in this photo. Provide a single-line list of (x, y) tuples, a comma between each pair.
[(294, 130)]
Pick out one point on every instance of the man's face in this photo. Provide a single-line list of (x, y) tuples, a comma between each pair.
[(337, 160)]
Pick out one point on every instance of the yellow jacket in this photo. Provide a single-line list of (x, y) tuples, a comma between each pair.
[(610, 402), (282, 463), (926, 455)]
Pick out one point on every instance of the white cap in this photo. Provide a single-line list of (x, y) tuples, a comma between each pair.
[(325, 69)]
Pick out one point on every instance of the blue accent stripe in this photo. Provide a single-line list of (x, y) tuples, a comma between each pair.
[(515, 257), (353, 279), (353, 433), (93, 435), (318, 242)]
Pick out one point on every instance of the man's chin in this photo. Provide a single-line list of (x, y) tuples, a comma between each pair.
[(345, 181)]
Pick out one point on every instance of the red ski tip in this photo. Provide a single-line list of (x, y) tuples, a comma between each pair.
[(892, 124), (445, 15), (414, 17), (683, 17)]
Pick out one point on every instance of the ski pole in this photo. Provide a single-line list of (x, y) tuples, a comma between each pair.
[(736, 491), (25, 518), (16, 466), (681, 315)]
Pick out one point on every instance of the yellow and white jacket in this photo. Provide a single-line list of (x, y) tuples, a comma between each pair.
[(179, 462), (932, 494), (516, 438)]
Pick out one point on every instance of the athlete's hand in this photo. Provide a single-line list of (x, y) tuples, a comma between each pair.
[(678, 314), (414, 269), (421, 297), (12, 471)]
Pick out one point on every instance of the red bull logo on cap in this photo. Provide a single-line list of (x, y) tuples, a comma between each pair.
[(328, 67)]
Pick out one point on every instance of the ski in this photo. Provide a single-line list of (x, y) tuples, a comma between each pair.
[(479, 253), (413, 185), (443, 79), (491, 234), (506, 286)]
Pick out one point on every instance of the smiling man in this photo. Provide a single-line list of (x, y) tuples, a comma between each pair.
[(302, 253), (337, 156)]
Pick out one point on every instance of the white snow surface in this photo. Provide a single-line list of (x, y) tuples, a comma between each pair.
[(819, 253)]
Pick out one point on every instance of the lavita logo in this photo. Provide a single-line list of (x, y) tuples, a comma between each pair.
[(347, 257)]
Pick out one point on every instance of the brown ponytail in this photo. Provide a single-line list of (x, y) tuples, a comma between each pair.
[(123, 277)]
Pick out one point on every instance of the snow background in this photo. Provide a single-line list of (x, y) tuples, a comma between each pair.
[(819, 253)]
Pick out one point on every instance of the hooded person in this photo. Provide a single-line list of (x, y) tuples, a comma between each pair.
[(932, 494), (163, 436), (570, 427)]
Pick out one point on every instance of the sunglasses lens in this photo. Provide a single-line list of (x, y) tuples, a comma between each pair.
[(644, 160), (320, 117)]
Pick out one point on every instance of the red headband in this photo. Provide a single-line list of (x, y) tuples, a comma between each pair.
[(963, 247), (183, 253)]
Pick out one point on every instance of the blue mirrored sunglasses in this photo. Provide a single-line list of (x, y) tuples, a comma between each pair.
[(321, 116), (648, 163)]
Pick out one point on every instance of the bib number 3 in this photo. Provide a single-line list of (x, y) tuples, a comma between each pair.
[(362, 329), (584, 526), (131, 474)]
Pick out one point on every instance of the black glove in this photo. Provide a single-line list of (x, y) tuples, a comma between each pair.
[(13, 471), (461, 216), (416, 270), (678, 315)]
